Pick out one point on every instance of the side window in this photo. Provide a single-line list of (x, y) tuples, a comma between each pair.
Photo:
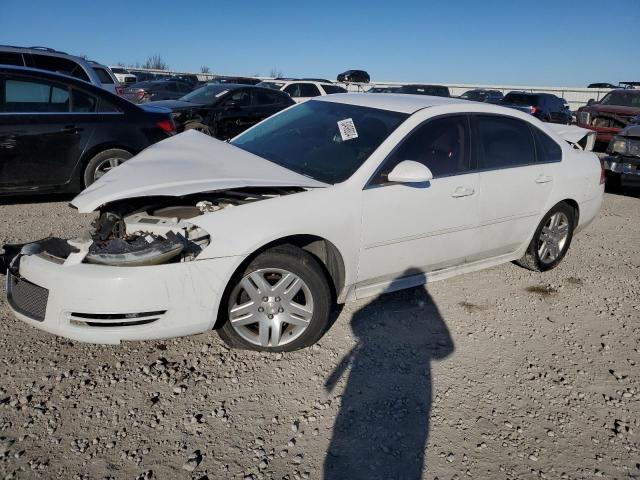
[(293, 90), (104, 76), (546, 149), (83, 102), (184, 88), (503, 142), (309, 90), (441, 144), (10, 58), (239, 98), (60, 65), (34, 96), (264, 97), (329, 89), (105, 106)]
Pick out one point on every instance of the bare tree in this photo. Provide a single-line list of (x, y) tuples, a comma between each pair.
[(275, 73), (120, 64), (155, 62), (205, 69)]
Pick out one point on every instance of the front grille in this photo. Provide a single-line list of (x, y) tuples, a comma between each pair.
[(27, 298), (115, 319)]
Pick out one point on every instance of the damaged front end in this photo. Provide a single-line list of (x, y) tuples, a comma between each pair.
[(140, 232)]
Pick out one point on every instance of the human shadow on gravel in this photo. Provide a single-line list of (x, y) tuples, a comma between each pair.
[(382, 427)]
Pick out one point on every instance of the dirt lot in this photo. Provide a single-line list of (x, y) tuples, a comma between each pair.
[(502, 373)]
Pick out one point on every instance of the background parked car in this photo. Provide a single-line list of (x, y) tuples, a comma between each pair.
[(356, 76), (545, 106), (433, 90), (301, 90), (602, 85), (611, 114), (157, 90), (482, 95), (622, 166), (225, 110), (54, 61), (60, 134), (123, 75)]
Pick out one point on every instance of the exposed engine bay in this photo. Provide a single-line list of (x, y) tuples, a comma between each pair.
[(143, 231)]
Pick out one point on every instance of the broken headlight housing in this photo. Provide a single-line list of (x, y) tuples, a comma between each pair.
[(624, 146), (583, 118)]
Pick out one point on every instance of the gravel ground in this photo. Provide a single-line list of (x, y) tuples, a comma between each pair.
[(502, 373)]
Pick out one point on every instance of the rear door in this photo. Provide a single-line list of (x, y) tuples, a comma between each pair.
[(41, 137), (265, 103), (515, 186)]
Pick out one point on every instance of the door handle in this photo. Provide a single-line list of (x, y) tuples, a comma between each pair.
[(544, 179), (463, 191), (72, 129)]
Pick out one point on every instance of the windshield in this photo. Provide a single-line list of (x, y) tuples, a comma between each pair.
[(622, 99), (323, 140), (207, 94)]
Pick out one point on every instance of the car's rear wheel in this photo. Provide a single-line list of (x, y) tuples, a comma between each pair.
[(103, 162), (551, 240), (279, 302)]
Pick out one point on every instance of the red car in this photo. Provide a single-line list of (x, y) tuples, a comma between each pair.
[(611, 114)]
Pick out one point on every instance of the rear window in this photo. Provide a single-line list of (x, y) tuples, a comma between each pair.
[(521, 99), (104, 76), (271, 85)]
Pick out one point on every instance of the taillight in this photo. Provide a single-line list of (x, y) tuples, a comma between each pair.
[(119, 90), (140, 94), (167, 126), (603, 175), (534, 110)]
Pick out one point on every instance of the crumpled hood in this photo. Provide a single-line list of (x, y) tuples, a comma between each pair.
[(190, 162)]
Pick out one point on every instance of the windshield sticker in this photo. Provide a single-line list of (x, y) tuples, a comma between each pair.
[(221, 93), (347, 129)]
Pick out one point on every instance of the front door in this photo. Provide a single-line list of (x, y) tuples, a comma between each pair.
[(414, 229)]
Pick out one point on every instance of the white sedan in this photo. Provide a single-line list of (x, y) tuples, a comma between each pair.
[(339, 198)]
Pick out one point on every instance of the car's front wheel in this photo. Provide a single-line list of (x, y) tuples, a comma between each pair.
[(279, 302), (551, 241)]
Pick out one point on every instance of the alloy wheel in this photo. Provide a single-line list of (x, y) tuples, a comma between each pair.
[(553, 237), (270, 307), (107, 165)]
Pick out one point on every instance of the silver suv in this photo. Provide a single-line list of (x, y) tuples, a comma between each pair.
[(61, 62)]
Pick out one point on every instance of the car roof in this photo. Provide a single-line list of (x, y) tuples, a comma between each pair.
[(396, 102)]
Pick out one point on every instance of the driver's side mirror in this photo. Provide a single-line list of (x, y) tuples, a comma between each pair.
[(591, 102), (410, 171)]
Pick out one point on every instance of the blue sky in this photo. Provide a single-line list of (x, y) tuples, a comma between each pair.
[(543, 42)]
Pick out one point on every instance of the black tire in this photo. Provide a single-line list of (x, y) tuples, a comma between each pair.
[(307, 268), (199, 126), (531, 259), (91, 171)]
